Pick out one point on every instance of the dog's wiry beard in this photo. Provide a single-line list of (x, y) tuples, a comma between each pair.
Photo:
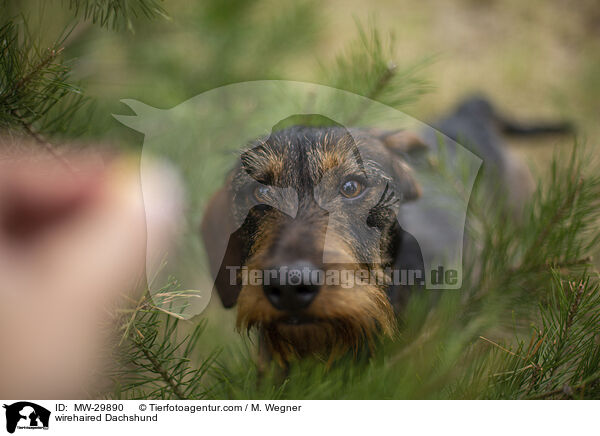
[(344, 320), (331, 337)]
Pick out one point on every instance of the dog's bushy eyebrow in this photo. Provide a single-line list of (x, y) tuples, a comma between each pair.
[(263, 163), (338, 152), (375, 169)]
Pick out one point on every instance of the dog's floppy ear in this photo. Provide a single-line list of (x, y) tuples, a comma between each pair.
[(403, 144), (221, 236), (410, 188)]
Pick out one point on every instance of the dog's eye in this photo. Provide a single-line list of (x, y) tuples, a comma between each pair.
[(261, 192), (351, 189)]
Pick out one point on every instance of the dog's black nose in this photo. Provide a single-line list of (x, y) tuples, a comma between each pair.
[(291, 287)]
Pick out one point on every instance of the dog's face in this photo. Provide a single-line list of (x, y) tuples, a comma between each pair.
[(305, 209)]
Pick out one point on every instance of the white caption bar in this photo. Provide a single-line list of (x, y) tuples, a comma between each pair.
[(297, 417)]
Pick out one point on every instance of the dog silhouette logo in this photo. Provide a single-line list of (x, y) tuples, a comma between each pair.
[(26, 415), (200, 137)]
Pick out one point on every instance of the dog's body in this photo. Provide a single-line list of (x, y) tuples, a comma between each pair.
[(325, 199)]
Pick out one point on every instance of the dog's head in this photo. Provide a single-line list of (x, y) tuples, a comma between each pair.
[(306, 211)]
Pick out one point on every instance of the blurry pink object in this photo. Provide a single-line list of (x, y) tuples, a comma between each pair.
[(72, 244)]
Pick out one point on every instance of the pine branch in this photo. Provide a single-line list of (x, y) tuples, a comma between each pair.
[(37, 69), (378, 88), (574, 308), (567, 391), (561, 211), (155, 363), (563, 357), (367, 68), (32, 84), (159, 369), (117, 13)]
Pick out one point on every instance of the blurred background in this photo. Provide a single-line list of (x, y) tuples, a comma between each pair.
[(534, 60)]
